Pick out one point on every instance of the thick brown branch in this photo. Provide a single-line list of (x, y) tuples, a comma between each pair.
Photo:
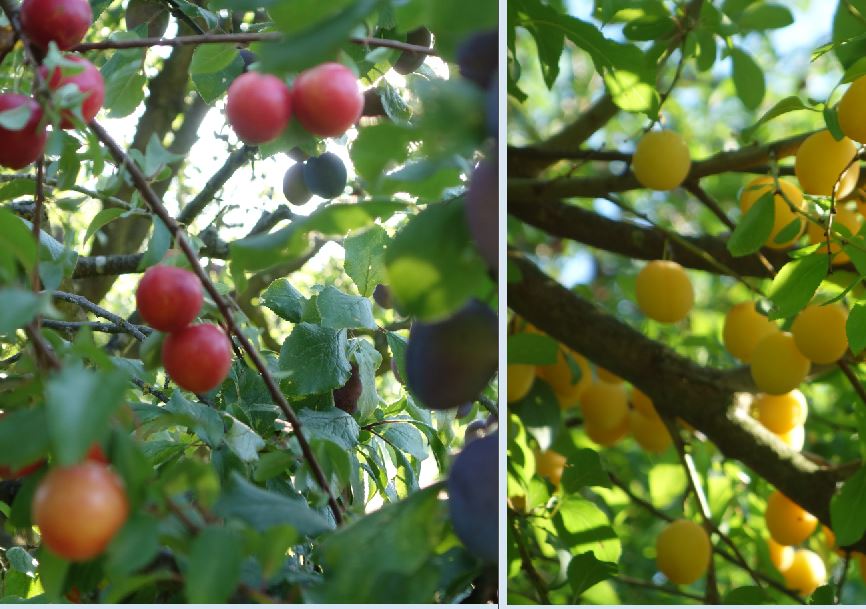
[(234, 161)]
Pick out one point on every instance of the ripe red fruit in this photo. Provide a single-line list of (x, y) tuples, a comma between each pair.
[(79, 509), (258, 107), (327, 99), (63, 21), (198, 357), (168, 297), (89, 81), (20, 148)]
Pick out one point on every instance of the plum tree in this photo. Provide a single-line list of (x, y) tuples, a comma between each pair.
[(683, 551), (409, 61), (661, 160), (787, 207), (806, 573), (819, 332), (325, 175), (473, 497), (63, 22), (258, 107), (821, 160), (482, 210), (24, 145), (197, 357), (664, 291), (346, 397), (782, 413), (449, 362), (787, 522), (743, 330), (604, 405), (89, 82), (79, 509), (851, 119), (327, 99), (777, 365), (295, 187), (550, 464), (169, 298)]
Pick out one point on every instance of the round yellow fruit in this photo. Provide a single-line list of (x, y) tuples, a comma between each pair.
[(744, 328), (604, 405), (650, 432), (806, 573), (852, 120), (607, 376), (788, 523), (781, 556), (664, 291), (777, 365), (661, 160), (683, 552), (520, 380), (642, 403), (561, 379), (851, 219), (783, 215), (820, 161), (819, 332), (781, 413), (606, 437), (550, 464), (795, 439)]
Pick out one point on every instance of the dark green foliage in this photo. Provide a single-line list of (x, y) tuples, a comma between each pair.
[(450, 362), (294, 186), (325, 175), (150, 13), (408, 61), (473, 490)]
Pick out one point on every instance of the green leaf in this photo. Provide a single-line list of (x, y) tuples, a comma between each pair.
[(531, 348), (540, 414), (333, 425), (584, 469), (16, 240), (339, 310), (20, 560), (156, 156), (831, 119), (754, 228), (262, 509), (213, 569), (748, 79), (765, 16), (583, 527), (18, 307), (15, 118), (405, 437), (205, 422), (795, 284), (209, 58), (22, 437), (784, 106), (101, 219), (284, 300), (315, 358), (213, 85), (368, 360), (855, 328), (243, 441), (433, 266), (849, 33), (365, 258), (134, 546), (745, 595), (158, 245), (585, 571), (79, 403), (823, 595), (847, 507)]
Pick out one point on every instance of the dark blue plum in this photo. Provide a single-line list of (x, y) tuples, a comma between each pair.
[(473, 490), (294, 186), (478, 57), (325, 175), (482, 211)]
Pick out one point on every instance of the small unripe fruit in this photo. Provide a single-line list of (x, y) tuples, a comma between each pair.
[(89, 82), (65, 22), (683, 552), (79, 509), (819, 332), (820, 161), (650, 432), (561, 378), (806, 573), (327, 99), (520, 380), (325, 175), (409, 61), (550, 464), (852, 221), (850, 111), (22, 147), (777, 365), (606, 437), (661, 160), (783, 215), (788, 523), (782, 413), (197, 358), (781, 556), (168, 298), (664, 291), (604, 405), (744, 328), (294, 186), (258, 107)]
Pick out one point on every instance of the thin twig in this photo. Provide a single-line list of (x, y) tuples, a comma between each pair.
[(631, 581), (96, 326), (852, 378), (526, 564), (94, 308), (39, 204)]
